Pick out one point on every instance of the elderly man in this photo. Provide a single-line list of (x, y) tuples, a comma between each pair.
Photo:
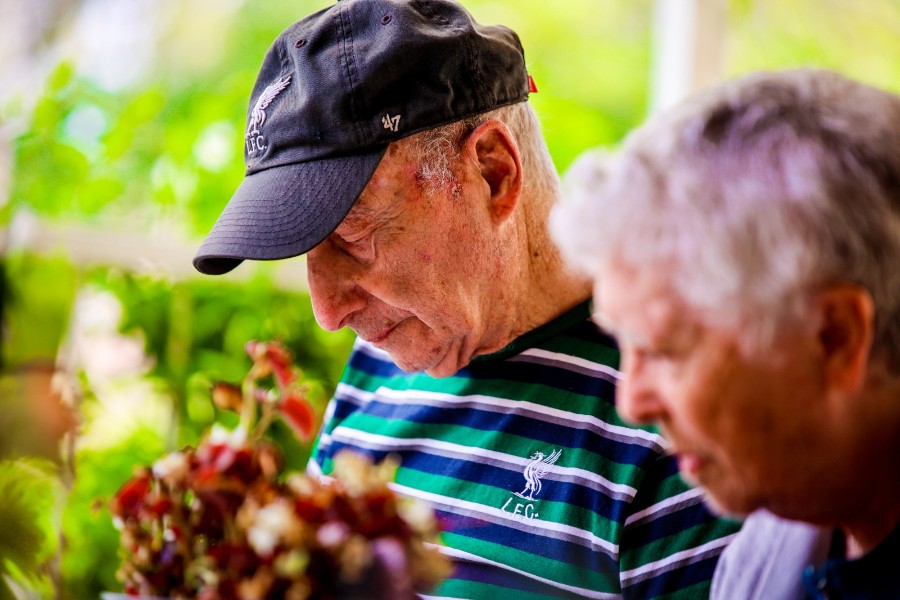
[(391, 142), (746, 255)]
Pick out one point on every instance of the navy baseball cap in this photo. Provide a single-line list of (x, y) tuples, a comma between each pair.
[(334, 90)]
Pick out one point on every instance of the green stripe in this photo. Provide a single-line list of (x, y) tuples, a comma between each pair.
[(471, 590), (672, 544), (698, 591), (508, 443), (550, 569)]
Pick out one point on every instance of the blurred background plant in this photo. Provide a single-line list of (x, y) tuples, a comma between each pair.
[(120, 141)]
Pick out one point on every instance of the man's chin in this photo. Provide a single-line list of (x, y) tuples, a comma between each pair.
[(439, 368), (412, 364)]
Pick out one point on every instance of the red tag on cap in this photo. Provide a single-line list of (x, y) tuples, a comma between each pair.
[(532, 87)]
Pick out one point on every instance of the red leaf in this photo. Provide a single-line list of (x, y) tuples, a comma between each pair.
[(282, 364), (299, 415), (131, 495)]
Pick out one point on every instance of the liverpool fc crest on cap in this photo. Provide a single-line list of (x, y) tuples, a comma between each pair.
[(254, 139)]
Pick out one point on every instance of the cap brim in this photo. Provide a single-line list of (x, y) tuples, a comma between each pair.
[(285, 211)]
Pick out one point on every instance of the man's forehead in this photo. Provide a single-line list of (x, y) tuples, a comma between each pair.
[(378, 197)]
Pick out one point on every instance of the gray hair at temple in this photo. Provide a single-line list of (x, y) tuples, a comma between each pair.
[(438, 147), (750, 196)]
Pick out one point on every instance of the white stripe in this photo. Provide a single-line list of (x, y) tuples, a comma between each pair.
[(573, 360), (382, 442), (324, 440), (313, 468), (670, 501), (480, 509), (677, 559), (498, 405), (583, 592), (329, 411)]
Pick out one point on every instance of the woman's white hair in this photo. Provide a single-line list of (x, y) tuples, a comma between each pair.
[(750, 197)]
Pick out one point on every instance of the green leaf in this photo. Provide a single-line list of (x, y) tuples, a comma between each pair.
[(40, 298), (29, 494), (61, 77)]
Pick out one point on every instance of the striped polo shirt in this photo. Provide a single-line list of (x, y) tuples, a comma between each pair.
[(542, 491)]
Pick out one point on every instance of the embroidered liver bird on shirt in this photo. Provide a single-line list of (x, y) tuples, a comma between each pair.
[(535, 471)]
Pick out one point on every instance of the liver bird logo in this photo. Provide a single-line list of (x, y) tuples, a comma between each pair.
[(258, 114), (535, 471)]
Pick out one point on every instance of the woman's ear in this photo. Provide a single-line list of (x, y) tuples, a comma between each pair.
[(499, 164), (846, 332)]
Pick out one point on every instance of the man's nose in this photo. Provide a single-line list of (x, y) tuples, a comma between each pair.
[(637, 395), (333, 286)]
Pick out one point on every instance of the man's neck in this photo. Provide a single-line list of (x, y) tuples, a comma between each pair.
[(546, 295)]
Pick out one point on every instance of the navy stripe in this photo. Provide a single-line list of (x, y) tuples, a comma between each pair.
[(664, 525), (526, 374), (530, 373), (565, 552), (362, 361), (488, 574), (670, 524), (658, 470), (674, 580), (587, 331), (571, 435), (342, 409)]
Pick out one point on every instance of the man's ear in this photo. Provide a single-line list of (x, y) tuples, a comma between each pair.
[(496, 155), (845, 335)]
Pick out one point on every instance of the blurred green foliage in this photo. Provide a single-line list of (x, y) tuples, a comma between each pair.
[(166, 152), (30, 496), (41, 290), (197, 331), (859, 39), (194, 333), (90, 559)]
